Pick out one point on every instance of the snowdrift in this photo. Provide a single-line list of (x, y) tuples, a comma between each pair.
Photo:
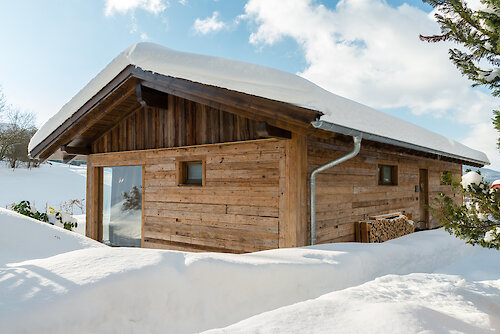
[(88, 287), (23, 238), (414, 303)]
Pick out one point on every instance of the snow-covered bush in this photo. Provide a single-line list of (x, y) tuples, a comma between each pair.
[(477, 220), (53, 217), (57, 217), (25, 208), (471, 178)]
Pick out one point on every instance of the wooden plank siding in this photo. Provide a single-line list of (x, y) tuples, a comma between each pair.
[(237, 210), (182, 123), (350, 192)]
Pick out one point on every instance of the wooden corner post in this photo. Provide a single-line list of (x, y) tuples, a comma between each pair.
[(293, 204), (93, 201)]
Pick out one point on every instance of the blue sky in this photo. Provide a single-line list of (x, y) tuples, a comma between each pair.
[(51, 49)]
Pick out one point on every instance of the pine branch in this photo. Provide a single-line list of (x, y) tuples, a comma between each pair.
[(434, 38)]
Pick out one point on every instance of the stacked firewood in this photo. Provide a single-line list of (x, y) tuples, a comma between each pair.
[(384, 227)]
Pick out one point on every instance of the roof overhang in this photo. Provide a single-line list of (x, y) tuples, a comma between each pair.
[(121, 96)]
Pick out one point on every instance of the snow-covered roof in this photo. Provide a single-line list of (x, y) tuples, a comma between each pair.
[(264, 82)]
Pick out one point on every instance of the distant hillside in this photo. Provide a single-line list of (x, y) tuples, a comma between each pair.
[(489, 175)]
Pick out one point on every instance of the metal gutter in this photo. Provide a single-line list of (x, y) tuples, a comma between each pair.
[(324, 125), (350, 155)]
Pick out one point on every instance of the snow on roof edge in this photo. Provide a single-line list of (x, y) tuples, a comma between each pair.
[(259, 81), (325, 125)]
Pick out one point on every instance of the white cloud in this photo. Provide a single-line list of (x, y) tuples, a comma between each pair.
[(209, 24), (370, 52), (483, 135), (125, 6), (144, 36), (134, 26)]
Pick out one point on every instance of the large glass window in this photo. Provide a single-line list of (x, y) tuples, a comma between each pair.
[(122, 206)]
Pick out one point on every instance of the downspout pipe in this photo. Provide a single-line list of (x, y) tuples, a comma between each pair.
[(357, 145)]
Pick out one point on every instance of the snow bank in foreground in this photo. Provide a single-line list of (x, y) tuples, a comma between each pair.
[(87, 289), (414, 303)]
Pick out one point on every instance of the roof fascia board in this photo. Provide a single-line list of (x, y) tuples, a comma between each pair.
[(324, 125)]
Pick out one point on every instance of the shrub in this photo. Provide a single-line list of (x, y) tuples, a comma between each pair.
[(54, 217), (66, 220), (26, 209), (71, 205)]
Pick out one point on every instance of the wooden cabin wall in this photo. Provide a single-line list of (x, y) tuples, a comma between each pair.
[(180, 123), (236, 210), (349, 192)]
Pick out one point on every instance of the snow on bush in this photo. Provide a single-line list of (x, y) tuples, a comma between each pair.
[(471, 178), (53, 217), (62, 219), (492, 235)]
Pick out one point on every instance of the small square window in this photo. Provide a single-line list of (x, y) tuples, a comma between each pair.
[(191, 173), (387, 175)]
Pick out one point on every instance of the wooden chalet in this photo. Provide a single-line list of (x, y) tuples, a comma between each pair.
[(182, 162)]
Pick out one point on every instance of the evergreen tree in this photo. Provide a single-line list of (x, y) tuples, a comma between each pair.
[(477, 30), (478, 219)]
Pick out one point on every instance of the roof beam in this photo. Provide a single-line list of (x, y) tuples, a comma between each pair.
[(67, 158), (75, 150), (122, 97), (265, 130)]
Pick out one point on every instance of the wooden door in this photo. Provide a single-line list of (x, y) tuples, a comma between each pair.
[(423, 184)]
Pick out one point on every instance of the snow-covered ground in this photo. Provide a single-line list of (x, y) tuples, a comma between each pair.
[(54, 281), (51, 184)]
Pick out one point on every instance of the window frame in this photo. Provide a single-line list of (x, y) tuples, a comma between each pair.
[(182, 173), (394, 175)]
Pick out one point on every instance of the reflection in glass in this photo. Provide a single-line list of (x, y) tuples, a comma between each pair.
[(122, 206)]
